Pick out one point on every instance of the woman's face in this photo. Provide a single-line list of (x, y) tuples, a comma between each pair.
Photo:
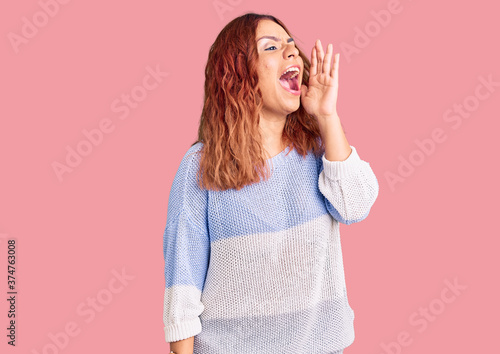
[(276, 55)]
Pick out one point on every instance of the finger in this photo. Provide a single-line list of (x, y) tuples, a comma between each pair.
[(335, 69), (328, 59), (314, 62), (303, 90), (319, 53)]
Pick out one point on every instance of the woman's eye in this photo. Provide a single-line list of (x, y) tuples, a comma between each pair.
[(271, 47)]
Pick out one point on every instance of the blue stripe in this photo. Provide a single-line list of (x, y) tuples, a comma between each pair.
[(289, 198), (186, 255)]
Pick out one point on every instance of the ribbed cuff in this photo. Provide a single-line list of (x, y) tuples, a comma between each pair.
[(336, 170), (183, 330)]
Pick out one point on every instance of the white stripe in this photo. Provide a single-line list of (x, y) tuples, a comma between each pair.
[(275, 273)]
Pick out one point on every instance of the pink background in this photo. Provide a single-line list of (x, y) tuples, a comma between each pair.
[(107, 216)]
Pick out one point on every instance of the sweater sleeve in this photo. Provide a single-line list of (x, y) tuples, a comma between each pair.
[(186, 251), (349, 187)]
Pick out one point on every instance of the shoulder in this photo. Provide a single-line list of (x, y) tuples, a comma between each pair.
[(185, 179), (191, 159), (185, 193), (193, 154)]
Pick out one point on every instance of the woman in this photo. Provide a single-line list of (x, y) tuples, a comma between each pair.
[(253, 261)]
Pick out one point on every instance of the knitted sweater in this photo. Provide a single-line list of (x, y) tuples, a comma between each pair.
[(260, 270)]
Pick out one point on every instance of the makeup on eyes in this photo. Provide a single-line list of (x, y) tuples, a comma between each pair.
[(276, 39)]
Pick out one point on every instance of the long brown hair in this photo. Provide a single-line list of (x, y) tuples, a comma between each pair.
[(232, 152)]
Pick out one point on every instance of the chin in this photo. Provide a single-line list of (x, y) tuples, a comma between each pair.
[(294, 108)]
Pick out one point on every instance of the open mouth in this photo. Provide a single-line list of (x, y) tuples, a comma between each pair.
[(290, 79)]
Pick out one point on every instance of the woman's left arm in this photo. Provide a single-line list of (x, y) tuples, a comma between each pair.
[(347, 182), (350, 187), (319, 99)]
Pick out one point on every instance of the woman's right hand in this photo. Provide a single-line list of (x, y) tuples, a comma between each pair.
[(184, 346)]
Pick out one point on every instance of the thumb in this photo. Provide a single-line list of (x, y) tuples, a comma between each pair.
[(303, 90)]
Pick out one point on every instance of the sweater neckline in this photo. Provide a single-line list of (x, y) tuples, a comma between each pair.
[(279, 158)]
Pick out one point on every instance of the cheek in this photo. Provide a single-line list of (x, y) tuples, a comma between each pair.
[(267, 72), (270, 72), (264, 70), (267, 65)]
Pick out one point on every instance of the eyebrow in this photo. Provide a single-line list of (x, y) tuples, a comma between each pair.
[(276, 39)]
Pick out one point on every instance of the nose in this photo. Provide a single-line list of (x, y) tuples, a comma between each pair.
[(291, 50)]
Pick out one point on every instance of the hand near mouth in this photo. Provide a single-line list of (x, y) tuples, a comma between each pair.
[(320, 98)]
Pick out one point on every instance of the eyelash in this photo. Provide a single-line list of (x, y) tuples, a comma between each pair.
[(270, 47)]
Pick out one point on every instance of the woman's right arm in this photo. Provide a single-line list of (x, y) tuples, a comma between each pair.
[(186, 250), (184, 346)]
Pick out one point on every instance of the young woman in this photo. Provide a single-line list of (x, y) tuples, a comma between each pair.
[(253, 259)]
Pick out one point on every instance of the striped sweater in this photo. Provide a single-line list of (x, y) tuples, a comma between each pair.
[(260, 270)]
